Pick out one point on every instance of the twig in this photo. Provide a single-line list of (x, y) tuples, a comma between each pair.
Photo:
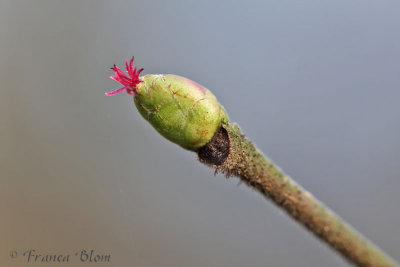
[(231, 153)]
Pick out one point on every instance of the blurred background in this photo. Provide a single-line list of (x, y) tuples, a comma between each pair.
[(315, 84)]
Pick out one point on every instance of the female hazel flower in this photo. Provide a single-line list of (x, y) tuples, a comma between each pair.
[(181, 110)]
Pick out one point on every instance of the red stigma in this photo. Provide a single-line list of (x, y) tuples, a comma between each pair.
[(130, 82)]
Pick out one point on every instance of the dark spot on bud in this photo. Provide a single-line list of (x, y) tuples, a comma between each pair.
[(216, 151)]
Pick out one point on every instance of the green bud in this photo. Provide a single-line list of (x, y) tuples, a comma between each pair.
[(181, 110)]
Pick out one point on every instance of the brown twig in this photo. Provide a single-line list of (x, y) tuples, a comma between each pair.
[(231, 153)]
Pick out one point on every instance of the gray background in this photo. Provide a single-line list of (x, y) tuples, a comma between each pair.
[(314, 83)]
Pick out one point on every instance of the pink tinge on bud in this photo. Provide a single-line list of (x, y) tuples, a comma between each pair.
[(130, 82)]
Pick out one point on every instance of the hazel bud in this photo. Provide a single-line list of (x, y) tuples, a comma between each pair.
[(181, 110)]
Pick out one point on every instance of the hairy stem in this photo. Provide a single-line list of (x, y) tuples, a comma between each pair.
[(231, 153)]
